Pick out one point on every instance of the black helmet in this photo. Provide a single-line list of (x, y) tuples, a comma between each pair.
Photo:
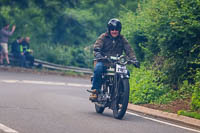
[(114, 24)]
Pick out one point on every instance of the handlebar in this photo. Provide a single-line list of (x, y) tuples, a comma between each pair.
[(135, 63), (113, 58)]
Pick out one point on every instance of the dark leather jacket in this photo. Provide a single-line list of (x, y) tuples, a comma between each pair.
[(108, 46)]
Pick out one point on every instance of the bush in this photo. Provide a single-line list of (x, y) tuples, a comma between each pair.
[(144, 86), (184, 92), (64, 55), (147, 86), (189, 114), (166, 28), (195, 104)]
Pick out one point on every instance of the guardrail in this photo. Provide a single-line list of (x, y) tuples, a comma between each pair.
[(61, 67), (53, 66)]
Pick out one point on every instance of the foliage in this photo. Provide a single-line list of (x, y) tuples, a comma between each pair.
[(144, 86), (166, 28), (189, 114), (165, 36), (51, 23), (195, 105), (65, 55), (184, 92)]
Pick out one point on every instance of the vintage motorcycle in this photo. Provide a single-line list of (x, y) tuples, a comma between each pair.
[(114, 92)]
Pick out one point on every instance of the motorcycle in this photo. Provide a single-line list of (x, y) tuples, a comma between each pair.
[(114, 92)]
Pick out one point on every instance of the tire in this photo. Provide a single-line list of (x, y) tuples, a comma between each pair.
[(99, 109), (121, 104)]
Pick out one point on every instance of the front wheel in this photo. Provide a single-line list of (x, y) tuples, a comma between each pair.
[(99, 109), (121, 102)]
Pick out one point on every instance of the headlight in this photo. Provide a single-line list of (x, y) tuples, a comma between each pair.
[(122, 60)]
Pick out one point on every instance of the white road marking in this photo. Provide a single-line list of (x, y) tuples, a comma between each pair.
[(9, 81), (44, 83), (33, 82), (167, 123), (7, 129), (78, 85)]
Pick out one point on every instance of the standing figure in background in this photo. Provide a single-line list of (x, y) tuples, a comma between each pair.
[(27, 52), (4, 35)]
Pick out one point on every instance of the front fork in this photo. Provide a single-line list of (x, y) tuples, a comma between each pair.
[(116, 92)]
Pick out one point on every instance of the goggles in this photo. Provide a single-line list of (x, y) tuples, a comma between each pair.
[(114, 28)]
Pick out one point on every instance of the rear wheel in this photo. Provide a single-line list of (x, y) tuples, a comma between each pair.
[(99, 106), (122, 102)]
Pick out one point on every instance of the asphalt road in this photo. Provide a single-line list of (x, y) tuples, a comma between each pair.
[(35, 103)]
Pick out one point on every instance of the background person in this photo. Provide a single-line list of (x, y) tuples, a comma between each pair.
[(15, 50), (27, 52), (4, 35)]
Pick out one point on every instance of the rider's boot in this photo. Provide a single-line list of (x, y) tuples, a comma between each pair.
[(93, 96)]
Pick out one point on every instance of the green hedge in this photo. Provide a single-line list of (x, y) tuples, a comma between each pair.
[(64, 55), (195, 104), (166, 28), (189, 114), (144, 86)]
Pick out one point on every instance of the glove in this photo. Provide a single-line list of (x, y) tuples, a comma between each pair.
[(98, 55), (137, 64)]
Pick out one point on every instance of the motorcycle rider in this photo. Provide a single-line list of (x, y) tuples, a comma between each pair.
[(110, 43)]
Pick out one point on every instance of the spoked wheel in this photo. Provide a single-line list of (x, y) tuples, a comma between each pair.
[(99, 109), (122, 103)]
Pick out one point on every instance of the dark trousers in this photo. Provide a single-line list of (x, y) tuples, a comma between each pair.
[(20, 58), (29, 58), (97, 79)]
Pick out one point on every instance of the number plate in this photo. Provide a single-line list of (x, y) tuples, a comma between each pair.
[(121, 69)]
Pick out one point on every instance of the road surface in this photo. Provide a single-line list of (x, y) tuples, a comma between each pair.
[(39, 103)]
